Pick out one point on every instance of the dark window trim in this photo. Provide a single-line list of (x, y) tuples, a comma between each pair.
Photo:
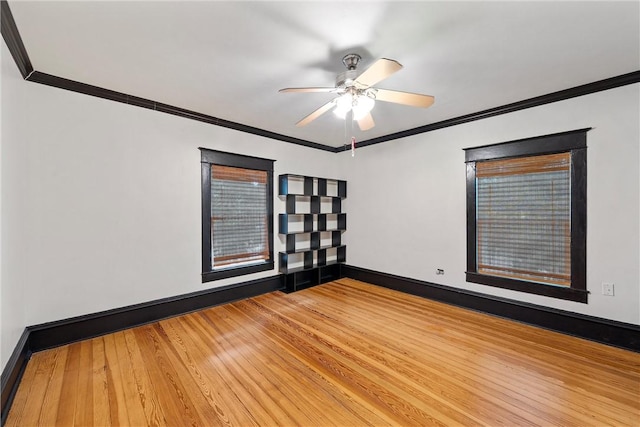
[(538, 145), (213, 157), (572, 141)]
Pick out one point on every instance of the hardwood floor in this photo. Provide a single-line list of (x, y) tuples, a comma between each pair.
[(343, 353)]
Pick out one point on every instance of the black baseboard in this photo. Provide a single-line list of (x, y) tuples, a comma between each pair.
[(54, 334), (618, 334), (12, 373)]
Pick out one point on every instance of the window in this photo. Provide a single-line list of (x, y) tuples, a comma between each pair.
[(526, 215), (237, 215)]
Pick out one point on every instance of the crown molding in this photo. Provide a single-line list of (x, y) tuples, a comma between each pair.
[(87, 89), (13, 40), (586, 89)]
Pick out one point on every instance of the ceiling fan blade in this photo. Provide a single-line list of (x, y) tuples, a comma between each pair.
[(309, 89), (320, 111), (406, 98), (380, 70), (366, 122)]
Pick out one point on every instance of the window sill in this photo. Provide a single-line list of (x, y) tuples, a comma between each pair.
[(209, 276), (571, 294)]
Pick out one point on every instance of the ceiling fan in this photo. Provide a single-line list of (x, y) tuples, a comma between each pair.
[(357, 94)]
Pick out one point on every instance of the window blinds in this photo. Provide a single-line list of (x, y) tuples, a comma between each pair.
[(524, 218), (238, 216)]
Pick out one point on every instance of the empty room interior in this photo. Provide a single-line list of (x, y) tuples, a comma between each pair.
[(320, 213)]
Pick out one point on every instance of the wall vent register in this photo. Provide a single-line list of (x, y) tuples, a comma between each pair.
[(311, 229)]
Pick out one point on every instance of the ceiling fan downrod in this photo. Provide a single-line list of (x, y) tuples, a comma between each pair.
[(346, 78)]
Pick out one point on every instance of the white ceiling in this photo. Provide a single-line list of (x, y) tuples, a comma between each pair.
[(229, 58)]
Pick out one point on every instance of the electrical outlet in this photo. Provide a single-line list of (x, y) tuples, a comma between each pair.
[(607, 289), (440, 271)]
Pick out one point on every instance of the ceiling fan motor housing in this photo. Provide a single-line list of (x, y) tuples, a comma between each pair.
[(351, 61), (346, 78)]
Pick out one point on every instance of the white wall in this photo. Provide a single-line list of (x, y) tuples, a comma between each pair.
[(12, 282), (407, 212), (101, 202)]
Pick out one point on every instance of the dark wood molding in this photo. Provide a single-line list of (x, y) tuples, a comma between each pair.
[(205, 216), (54, 334), (601, 85), (208, 158), (575, 142), (87, 89), (210, 276), (471, 215), (610, 332), (560, 292), (74, 86), (209, 155), (586, 89), (578, 230), (535, 146), (12, 38), (12, 372)]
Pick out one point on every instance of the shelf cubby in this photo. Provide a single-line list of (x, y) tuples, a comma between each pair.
[(295, 223)]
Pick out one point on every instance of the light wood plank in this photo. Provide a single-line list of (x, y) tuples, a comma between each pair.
[(83, 412), (344, 353), (100, 385), (69, 390), (42, 403), (173, 398), (21, 398), (144, 383)]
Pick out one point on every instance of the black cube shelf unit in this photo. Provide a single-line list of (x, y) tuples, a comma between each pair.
[(312, 224)]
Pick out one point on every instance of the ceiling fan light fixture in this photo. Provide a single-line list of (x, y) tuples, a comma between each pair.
[(362, 105), (343, 105)]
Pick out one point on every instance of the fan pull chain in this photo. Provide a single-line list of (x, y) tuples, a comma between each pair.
[(353, 138), (345, 133)]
